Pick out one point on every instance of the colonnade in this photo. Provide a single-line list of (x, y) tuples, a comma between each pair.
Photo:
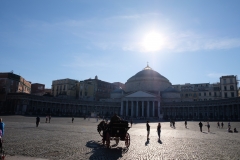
[(211, 112), (136, 108)]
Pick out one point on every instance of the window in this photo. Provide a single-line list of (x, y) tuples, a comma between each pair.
[(225, 94), (210, 93), (225, 88), (232, 94), (215, 94), (204, 93), (224, 81), (231, 81), (199, 94), (231, 87)]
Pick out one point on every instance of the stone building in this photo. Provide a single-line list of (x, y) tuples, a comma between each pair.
[(226, 88), (147, 95), (37, 89), (95, 89), (65, 88)]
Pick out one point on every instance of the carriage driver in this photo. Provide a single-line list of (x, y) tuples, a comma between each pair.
[(115, 118)]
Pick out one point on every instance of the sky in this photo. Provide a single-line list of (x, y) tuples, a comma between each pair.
[(186, 41)]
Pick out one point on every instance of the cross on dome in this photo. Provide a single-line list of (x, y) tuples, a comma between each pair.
[(147, 68)]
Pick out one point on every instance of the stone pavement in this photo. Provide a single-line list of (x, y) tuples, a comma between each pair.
[(62, 139)]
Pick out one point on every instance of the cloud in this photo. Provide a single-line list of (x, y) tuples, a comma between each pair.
[(215, 75), (133, 16), (186, 41)]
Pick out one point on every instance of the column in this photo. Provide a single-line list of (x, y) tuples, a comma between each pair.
[(121, 108), (158, 109), (142, 108), (132, 109), (126, 108), (137, 109), (148, 108), (238, 114), (153, 108)]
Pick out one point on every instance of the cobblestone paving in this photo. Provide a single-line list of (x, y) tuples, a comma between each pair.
[(62, 139)]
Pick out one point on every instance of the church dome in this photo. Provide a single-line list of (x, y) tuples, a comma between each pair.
[(147, 80)]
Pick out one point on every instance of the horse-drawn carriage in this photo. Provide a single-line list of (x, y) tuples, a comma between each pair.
[(114, 131)]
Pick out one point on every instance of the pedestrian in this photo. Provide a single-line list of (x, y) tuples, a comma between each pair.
[(46, 119), (218, 124), (229, 125), (173, 123), (200, 125), (72, 119), (208, 126), (49, 118), (222, 124), (2, 126), (148, 130), (185, 124), (159, 130), (131, 122), (37, 121)]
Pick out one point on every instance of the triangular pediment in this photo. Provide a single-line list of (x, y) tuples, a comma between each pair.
[(140, 94)]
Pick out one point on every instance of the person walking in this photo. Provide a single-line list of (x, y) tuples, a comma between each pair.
[(46, 118), (159, 130), (200, 125), (148, 130), (222, 124), (72, 119), (208, 126), (2, 125), (131, 122), (49, 119), (185, 124), (218, 124), (37, 121)]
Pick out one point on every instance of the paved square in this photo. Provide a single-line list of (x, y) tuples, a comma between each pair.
[(62, 139)]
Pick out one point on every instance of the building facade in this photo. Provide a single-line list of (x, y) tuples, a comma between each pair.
[(65, 88), (147, 95), (95, 89), (37, 89)]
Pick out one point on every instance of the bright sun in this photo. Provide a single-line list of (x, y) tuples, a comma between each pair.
[(153, 41)]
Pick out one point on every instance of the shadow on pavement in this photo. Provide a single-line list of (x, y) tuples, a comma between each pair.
[(99, 151)]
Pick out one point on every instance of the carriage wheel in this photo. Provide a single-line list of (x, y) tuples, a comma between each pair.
[(127, 140), (108, 140)]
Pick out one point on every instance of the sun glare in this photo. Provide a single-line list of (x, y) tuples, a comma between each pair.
[(153, 41)]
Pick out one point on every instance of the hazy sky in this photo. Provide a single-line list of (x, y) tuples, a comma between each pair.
[(187, 41)]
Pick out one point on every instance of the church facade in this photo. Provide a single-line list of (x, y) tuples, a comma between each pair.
[(148, 95)]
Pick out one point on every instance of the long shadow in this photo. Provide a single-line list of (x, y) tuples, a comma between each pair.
[(100, 151), (205, 132), (211, 133)]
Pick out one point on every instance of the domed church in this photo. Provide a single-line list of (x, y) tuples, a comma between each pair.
[(144, 93)]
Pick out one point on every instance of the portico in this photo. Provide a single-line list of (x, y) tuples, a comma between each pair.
[(140, 104)]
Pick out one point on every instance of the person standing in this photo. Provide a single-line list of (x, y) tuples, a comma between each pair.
[(148, 130), (218, 124), (72, 119), (37, 121), (46, 118), (131, 122), (200, 125), (49, 119), (185, 124), (208, 126), (222, 124), (159, 130), (2, 126)]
